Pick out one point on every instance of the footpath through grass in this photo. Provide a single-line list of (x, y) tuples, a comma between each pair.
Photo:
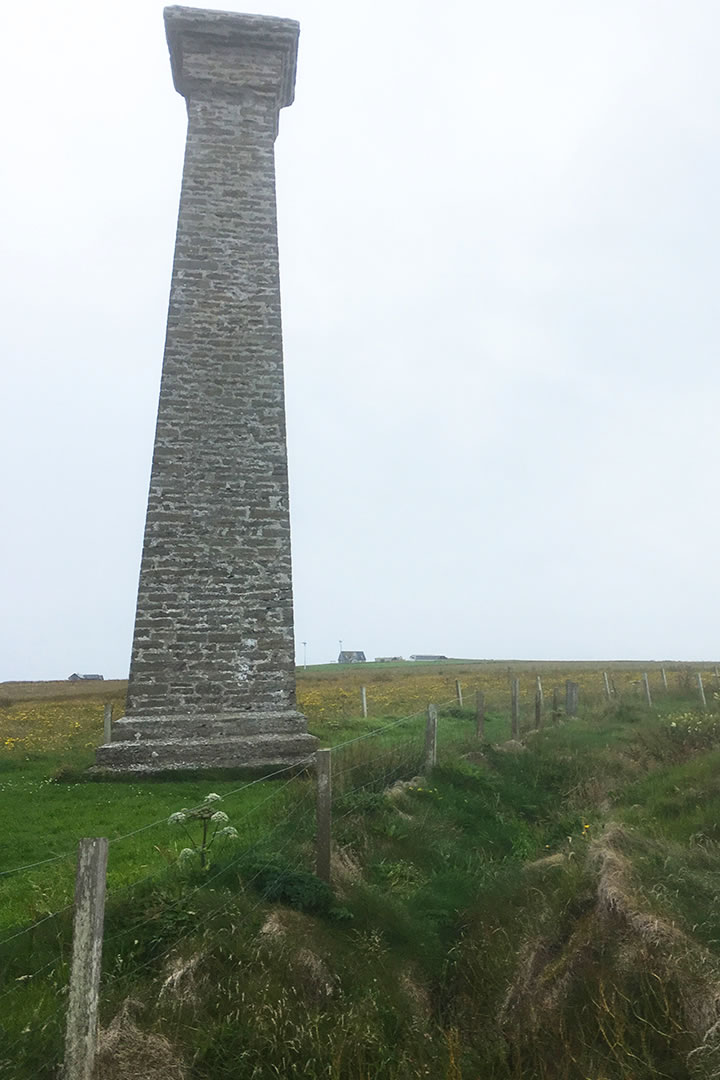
[(545, 909)]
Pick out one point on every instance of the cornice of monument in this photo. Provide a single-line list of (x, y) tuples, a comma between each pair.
[(233, 37)]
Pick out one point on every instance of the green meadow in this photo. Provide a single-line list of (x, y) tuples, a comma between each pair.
[(544, 907)]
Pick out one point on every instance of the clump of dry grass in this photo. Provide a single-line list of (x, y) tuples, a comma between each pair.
[(632, 969), (345, 868), (125, 1051), (181, 981), (680, 958)]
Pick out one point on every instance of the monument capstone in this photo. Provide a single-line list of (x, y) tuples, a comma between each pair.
[(212, 675)]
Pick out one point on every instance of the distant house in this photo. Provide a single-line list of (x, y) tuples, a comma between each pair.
[(427, 656), (350, 657), (387, 659), (84, 678)]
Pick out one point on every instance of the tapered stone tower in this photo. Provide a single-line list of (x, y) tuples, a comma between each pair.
[(212, 676)]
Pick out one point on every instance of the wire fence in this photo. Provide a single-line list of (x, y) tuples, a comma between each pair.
[(364, 766)]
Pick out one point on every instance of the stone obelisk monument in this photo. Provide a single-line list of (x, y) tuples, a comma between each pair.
[(212, 676)]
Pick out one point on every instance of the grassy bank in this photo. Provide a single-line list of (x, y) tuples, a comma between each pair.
[(546, 909)]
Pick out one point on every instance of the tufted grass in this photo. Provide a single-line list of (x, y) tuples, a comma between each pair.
[(549, 912)]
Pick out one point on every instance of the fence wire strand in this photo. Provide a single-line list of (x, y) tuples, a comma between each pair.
[(307, 760), (213, 877), (392, 755), (214, 911), (296, 765)]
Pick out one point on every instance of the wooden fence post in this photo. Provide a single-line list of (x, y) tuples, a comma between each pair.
[(363, 694), (323, 765), (107, 724), (606, 686), (86, 964), (458, 693), (646, 686), (539, 701), (431, 737), (515, 708), (701, 688), (717, 679), (480, 714), (572, 695)]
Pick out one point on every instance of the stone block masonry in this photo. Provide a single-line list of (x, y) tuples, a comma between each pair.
[(212, 676)]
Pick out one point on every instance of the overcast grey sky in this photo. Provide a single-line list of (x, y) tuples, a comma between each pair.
[(499, 236)]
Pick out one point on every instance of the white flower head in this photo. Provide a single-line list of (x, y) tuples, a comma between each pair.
[(185, 854), (213, 797), (220, 818), (230, 832), (177, 819)]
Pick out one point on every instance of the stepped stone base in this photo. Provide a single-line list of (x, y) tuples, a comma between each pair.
[(212, 741)]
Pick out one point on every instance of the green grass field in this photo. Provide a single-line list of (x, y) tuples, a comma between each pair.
[(549, 909)]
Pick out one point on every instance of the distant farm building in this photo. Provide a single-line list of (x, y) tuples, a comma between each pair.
[(348, 656), (427, 656), (84, 678), (387, 659)]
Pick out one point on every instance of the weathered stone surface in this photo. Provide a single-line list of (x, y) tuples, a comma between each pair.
[(207, 726), (213, 655), (226, 752)]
